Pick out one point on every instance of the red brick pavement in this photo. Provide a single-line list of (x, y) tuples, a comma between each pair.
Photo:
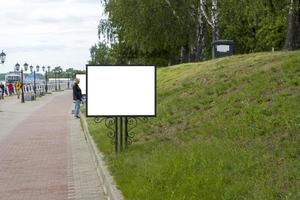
[(34, 156)]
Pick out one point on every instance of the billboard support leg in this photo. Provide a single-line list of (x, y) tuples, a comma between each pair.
[(121, 130), (121, 133)]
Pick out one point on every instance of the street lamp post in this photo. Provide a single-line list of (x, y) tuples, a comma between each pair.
[(31, 70), (34, 78), (34, 88), (47, 78), (2, 57), (59, 76), (22, 81), (17, 68), (43, 68), (55, 77), (34, 84), (68, 75)]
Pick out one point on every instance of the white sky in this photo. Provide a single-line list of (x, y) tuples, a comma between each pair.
[(48, 32)]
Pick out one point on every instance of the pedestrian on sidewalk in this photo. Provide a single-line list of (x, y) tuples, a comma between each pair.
[(2, 88), (10, 88), (1, 92), (77, 97), (18, 87)]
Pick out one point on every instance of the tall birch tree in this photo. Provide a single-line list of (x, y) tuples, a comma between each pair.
[(292, 35), (213, 19)]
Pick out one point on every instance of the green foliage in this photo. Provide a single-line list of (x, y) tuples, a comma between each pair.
[(153, 30), (68, 73), (156, 31), (254, 25), (225, 129), (100, 54)]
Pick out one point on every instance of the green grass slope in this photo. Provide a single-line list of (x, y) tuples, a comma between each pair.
[(225, 129)]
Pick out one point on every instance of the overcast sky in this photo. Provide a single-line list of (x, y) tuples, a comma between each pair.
[(48, 32)]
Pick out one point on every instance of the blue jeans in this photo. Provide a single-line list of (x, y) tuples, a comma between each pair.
[(77, 108)]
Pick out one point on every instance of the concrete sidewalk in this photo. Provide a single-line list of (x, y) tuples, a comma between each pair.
[(43, 154)]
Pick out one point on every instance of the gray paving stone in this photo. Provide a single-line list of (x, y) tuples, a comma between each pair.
[(87, 185)]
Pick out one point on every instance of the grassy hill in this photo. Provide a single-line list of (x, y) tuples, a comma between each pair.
[(226, 129)]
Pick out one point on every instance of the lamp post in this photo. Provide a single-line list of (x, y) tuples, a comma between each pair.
[(34, 84), (31, 69), (68, 75), (55, 78), (47, 78), (22, 81), (59, 76), (43, 68), (17, 67), (2, 57)]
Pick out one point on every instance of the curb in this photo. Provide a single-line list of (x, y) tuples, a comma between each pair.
[(106, 179)]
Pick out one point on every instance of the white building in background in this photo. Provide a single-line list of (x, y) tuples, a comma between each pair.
[(61, 80), (28, 78)]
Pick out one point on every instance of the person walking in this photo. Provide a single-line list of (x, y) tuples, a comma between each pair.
[(18, 86), (77, 97), (10, 88), (1, 92), (2, 87)]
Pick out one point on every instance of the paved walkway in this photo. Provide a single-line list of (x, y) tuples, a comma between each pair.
[(43, 154)]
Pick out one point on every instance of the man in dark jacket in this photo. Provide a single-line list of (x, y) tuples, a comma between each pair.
[(77, 96), (3, 90)]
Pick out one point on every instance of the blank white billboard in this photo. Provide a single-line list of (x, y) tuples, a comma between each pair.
[(82, 83), (121, 90)]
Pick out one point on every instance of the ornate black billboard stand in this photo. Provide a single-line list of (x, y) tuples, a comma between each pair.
[(121, 124), (120, 130)]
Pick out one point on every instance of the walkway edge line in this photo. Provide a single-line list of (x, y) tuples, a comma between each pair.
[(110, 188)]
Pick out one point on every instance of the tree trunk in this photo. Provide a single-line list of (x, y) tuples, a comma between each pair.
[(215, 20), (185, 53), (293, 26), (200, 36)]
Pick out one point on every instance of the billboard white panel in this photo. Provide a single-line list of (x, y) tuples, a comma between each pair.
[(82, 83), (121, 90)]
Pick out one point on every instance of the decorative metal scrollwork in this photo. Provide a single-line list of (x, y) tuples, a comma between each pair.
[(132, 123), (110, 124), (119, 126), (98, 119)]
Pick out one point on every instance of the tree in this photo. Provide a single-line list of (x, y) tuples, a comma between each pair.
[(200, 34), (254, 25), (99, 54), (292, 36), (166, 32), (213, 20), (160, 29)]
